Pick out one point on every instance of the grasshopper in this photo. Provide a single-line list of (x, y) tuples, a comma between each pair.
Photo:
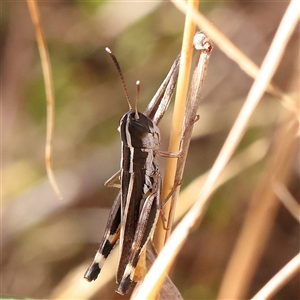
[(136, 208)]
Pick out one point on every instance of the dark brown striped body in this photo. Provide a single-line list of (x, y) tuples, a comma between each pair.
[(135, 210), (140, 185), (140, 189)]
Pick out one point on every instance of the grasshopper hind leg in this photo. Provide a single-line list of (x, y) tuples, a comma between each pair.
[(94, 269), (111, 236)]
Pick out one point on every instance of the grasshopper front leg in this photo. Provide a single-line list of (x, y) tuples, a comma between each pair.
[(148, 216)]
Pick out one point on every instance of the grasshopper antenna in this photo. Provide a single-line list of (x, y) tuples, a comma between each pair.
[(138, 89), (120, 73)]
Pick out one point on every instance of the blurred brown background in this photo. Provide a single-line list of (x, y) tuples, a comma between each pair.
[(43, 238)]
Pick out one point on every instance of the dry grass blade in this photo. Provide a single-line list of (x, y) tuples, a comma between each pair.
[(247, 158), (260, 216), (234, 53), (46, 66), (204, 46), (168, 289), (287, 200), (178, 115), (265, 74), (279, 280)]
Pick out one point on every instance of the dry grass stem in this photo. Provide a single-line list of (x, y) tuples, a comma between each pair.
[(47, 73), (203, 44), (243, 160), (168, 290), (287, 200), (279, 280), (176, 127), (260, 216), (235, 53), (269, 65)]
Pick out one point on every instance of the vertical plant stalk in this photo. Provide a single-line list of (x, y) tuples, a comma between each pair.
[(195, 214), (47, 73), (178, 115), (262, 211), (278, 281), (234, 53), (148, 290), (204, 46)]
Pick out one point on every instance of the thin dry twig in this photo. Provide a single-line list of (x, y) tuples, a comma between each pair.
[(270, 63), (235, 53), (243, 160), (47, 73), (279, 280), (178, 115), (261, 214), (287, 200), (204, 46), (168, 289)]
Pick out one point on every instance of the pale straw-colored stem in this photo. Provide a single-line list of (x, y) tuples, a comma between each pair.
[(177, 123), (279, 280), (178, 237), (234, 53)]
